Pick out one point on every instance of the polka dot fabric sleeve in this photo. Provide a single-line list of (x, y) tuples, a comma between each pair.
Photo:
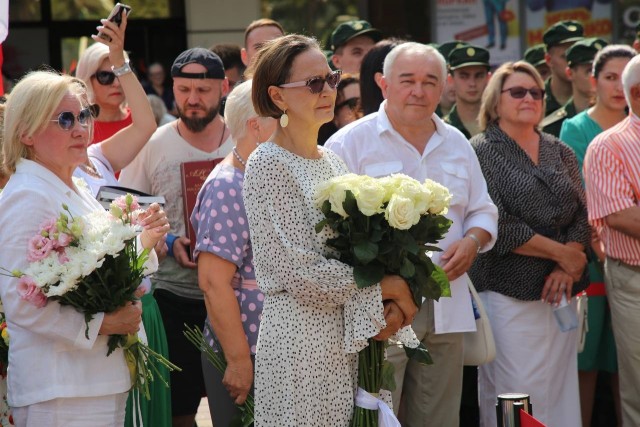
[(219, 218)]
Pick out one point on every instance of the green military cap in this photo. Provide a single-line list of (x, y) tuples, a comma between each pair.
[(446, 47), (563, 32), (535, 54), (467, 56), (583, 51), (351, 29)]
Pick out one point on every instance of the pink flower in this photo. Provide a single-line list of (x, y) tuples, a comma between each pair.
[(39, 248), (49, 227), (122, 201), (30, 292), (64, 240), (62, 255)]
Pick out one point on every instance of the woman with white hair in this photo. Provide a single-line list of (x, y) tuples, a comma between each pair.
[(225, 260)]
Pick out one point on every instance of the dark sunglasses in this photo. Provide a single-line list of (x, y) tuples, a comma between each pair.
[(66, 120), (316, 84), (352, 103), (519, 92), (105, 78)]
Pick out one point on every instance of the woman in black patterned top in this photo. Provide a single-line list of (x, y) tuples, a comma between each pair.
[(539, 257)]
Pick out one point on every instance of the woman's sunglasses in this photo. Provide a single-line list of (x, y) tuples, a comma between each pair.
[(352, 103), (66, 120), (316, 84), (519, 92), (105, 78)]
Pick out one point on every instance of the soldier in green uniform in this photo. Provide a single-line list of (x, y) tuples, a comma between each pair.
[(448, 97), (469, 75), (558, 38), (535, 56), (579, 60)]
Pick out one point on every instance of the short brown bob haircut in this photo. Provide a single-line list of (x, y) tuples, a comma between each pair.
[(272, 67)]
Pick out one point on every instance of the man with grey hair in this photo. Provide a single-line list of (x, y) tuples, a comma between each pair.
[(612, 179), (406, 136)]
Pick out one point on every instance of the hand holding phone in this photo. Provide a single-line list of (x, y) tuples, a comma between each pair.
[(116, 17)]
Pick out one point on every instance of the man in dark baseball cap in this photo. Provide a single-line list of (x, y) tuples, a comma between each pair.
[(535, 56), (558, 38), (199, 134), (350, 42), (468, 74), (580, 58)]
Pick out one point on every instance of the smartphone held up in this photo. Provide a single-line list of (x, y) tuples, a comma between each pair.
[(116, 17)]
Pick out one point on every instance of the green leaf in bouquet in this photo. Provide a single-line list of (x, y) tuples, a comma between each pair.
[(350, 205), (365, 252), (386, 247), (420, 354), (432, 248), (406, 241), (441, 278), (326, 208), (321, 224), (368, 275), (388, 376), (407, 270)]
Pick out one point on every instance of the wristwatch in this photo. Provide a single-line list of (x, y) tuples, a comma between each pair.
[(121, 71)]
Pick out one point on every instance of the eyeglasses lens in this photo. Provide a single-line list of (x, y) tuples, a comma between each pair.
[(521, 92), (317, 83), (66, 119), (105, 78)]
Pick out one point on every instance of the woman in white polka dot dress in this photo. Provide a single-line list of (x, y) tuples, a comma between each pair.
[(225, 261), (314, 319)]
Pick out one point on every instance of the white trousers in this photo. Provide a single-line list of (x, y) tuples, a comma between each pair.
[(101, 411), (533, 357)]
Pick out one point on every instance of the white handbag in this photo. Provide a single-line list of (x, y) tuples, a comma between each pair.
[(479, 346)]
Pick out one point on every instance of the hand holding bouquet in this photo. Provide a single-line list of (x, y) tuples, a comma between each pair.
[(93, 263), (383, 227)]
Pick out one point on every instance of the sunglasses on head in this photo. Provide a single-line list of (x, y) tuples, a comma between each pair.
[(316, 84), (352, 103), (105, 78), (519, 92), (67, 120)]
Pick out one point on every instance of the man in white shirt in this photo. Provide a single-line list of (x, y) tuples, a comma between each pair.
[(200, 133), (406, 136)]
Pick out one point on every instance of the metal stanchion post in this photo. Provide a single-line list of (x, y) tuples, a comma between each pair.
[(508, 408)]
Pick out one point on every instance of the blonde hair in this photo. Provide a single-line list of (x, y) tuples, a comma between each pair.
[(29, 108), (239, 109), (491, 97), (89, 62)]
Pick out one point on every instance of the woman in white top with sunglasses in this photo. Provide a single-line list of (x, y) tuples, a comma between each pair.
[(315, 319)]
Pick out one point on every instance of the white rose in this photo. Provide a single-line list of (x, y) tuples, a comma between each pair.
[(322, 193), (401, 213), (337, 197), (412, 189), (440, 197), (370, 196)]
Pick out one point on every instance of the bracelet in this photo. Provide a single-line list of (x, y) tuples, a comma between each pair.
[(121, 71), (170, 239), (476, 240)]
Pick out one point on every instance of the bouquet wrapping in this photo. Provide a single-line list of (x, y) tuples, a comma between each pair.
[(386, 226), (93, 264)]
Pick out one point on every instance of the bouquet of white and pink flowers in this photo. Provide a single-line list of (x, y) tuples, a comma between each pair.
[(386, 226), (93, 264)]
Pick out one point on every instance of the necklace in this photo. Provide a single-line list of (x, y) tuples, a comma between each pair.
[(224, 130), (90, 170), (240, 159)]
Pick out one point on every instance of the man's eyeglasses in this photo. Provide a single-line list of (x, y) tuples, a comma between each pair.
[(66, 120), (105, 78), (352, 103), (519, 92), (316, 84)]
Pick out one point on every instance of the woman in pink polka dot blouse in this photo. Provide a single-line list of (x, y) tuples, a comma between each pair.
[(225, 261)]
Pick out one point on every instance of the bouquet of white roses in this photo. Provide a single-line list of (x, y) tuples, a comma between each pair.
[(93, 264), (386, 226)]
